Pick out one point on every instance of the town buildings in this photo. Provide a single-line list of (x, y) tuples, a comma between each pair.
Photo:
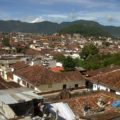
[(28, 69)]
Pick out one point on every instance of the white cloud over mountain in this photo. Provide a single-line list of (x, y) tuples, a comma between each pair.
[(38, 19)]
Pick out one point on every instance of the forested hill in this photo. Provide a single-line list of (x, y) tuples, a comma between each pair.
[(86, 28), (80, 26)]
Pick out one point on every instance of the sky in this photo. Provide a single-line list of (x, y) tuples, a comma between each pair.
[(106, 12)]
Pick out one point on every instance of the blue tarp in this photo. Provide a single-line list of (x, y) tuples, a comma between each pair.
[(116, 103)]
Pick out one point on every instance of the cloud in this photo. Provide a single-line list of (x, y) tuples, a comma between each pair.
[(99, 16), (103, 11), (38, 19)]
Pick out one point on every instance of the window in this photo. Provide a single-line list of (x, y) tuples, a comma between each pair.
[(76, 85), (18, 80), (64, 86), (113, 91), (28, 85)]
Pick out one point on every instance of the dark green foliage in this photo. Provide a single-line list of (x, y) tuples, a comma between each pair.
[(69, 64), (94, 61), (89, 49), (6, 41), (77, 62), (115, 31), (100, 61), (59, 57), (18, 26), (87, 28)]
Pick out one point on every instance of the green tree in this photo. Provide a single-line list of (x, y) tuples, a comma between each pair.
[(6, 41), (59, 57), (89, 49), (69, 64), (92, 62)]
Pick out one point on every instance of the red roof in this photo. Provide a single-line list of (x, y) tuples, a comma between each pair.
[(56, 69), (6, 85), (19, 65), (102, 70), (77, 104), (110, 79), (38, 75), (32, 52)]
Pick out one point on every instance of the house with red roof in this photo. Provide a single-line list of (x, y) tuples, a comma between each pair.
[(45, 80), (107, 81)]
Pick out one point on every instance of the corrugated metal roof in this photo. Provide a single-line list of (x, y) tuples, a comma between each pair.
[(32, 95), (23, 97), (7, 99), (15, 96)]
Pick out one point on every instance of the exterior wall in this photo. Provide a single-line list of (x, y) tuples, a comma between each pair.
[(5, 75), (8, 112), (33, 46), (100, 87), (9, 61), (117, 93), (1, 72), (59, 86), (18, 80), (95, 87)]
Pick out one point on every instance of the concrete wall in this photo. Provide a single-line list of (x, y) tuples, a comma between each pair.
[(9, 61), (59, 86), (100, 87), (6, 110), (117, 93)]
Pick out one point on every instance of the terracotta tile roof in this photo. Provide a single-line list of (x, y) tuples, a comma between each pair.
[(77, 104), (19, 65), (110, 79), (102, 70), (6, 85), (45, 51), (32, 52), (35, 52), (38, 75)]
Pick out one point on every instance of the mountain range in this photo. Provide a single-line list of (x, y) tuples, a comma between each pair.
[(80, 26)]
